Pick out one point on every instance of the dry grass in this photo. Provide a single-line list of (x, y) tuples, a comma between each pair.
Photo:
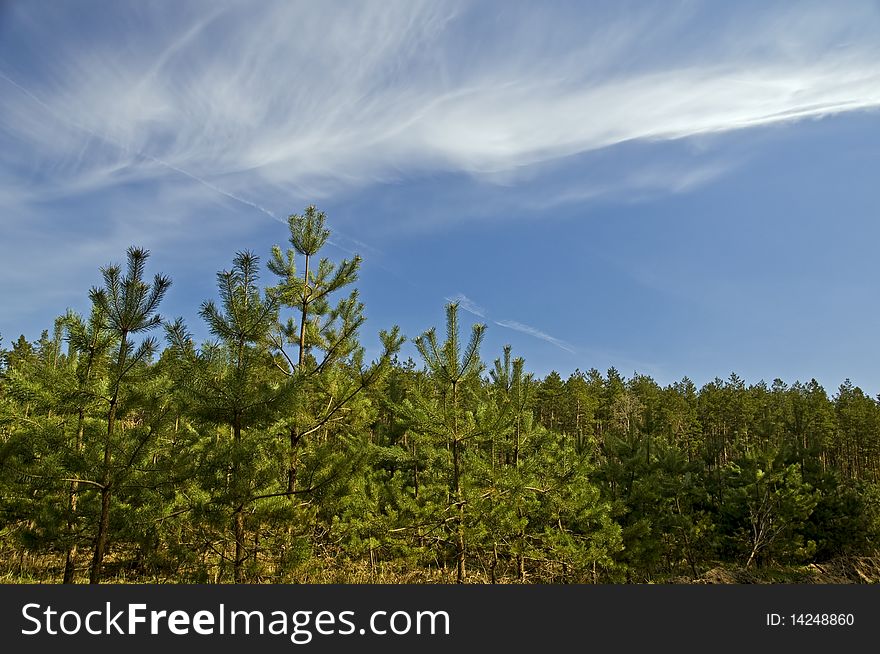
[(17, 567)]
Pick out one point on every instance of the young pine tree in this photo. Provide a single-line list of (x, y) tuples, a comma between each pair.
[(90, 342), (129, 307), (316, 346), (232, 382), (446, 408)]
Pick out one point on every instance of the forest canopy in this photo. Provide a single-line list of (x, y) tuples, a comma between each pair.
[(275, 452)]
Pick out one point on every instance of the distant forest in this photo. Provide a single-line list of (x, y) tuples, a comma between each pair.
[(275, 453)]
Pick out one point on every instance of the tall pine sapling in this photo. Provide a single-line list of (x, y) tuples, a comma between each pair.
[(90, 341), (129, 306), (232, 381), (445, 410), (325, 336)]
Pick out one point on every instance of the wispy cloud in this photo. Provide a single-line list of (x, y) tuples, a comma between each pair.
[(302, 100), (537, 333)]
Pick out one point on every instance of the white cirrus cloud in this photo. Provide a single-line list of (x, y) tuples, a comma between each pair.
[(303, 99)]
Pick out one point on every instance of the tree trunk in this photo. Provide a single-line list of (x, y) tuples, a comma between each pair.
[(520, 557), (238, 516), (104, 522), (516, 443), (415, 471), (101, 540), (238, 527), (294, 460), (456, 488), (305, 311), (459, 566), (753, 556), (70, 557), (294, 431)]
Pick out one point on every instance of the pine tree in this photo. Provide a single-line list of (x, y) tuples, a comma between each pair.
[(772, 502), (513, 392), (232, 381), (129, 307), (89, 342), (34, 452), (322, 335), (327, 374), (446, 408)]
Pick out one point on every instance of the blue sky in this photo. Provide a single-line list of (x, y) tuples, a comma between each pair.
[(673, 188)]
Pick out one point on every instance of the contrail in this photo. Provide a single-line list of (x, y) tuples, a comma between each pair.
[(466, 303), (211, 186), (536, 333)]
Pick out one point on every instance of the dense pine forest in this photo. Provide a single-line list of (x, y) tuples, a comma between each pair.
[(275, 452)]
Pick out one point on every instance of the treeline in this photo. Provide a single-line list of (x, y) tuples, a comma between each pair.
[(276, 453)]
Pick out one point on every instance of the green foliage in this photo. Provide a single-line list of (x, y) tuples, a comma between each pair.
[(275, 452), (768, 504)]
